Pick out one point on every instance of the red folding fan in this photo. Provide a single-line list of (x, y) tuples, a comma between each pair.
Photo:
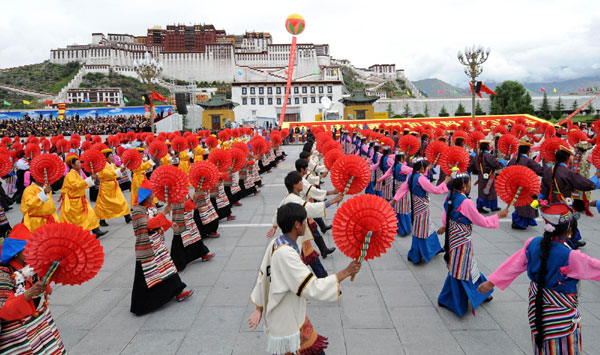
[(47, 168), (212, 142), (516, 184), (409, 144), (93, 161), (32, 150), (434, 151), (474, 138), (131, 159), (454, 157), (331, 145), (242, 146), (350, 174), (596, 157), (220, 158), (508, 144), (332, 156), (65, 252), (276, 139), (238, 159), (158, 149), (549, 147), (364, 227), (518, 130), (5, 164), (192, 140), (179, 144), (169, 184), (460, 134), (575, 136), (204, 175)]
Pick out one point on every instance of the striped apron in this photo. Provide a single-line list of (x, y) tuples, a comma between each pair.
[(206, 209), (159, 267), (191, 234), (462, 265), (420, 227)]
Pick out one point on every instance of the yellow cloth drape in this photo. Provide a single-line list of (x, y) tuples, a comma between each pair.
[(138, 176), (184, 162), (37, 213), (199, 153), (166, 160), (75, 207), (110, 203)]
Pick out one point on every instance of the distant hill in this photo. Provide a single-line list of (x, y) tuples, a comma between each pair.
[(44, 77), (433, 88), (564, 87)]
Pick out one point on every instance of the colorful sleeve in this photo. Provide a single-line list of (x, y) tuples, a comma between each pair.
[(178, 218), (11, 307), (469, 210), (582, 266), (401, 192), (427, 186), (143, 246)]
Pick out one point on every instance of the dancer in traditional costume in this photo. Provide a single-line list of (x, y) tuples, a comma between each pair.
[(284, 284), (111, 203), (524, 216), (37, 206), (205, 215), (424, 246), (187, 244), (554, 271), (156, 280), (219, 199), (458, 217), (294, 185), (559, 182), (27, 326), (485, 165), (397, 175), (75, 208), (139, 175)]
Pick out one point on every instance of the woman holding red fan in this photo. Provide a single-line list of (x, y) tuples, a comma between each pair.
[(75, 207), (424, 246), (458, 217), (110, 202)]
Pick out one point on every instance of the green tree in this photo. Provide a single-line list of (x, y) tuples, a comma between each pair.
[(460, 110), (478, 110), (526, 106), (575, 106), (444, 112), (591, 109), (406, 113), (511, 98), (390, 110), (544, 111), (426, 113), (558, 109)]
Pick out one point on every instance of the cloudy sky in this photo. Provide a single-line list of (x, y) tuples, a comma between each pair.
[(531, 40)]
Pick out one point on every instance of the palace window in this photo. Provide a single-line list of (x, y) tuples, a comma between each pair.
[(305, 100), (278, 90), (330, 89), (289, 100), (244, 91), (304, 90), (252, 101), (261, 101), (279, 101), (270, 101), (269, 90), (261, 91), (312, 89), (297, 100), (252, 90), (313, 100), (295, 89), (320, 89)]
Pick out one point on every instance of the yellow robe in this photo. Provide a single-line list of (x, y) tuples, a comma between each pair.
[(137, 177), (166, 160), (75, 207), (36, 212), (199, 153), (184, 162), (110, 203)]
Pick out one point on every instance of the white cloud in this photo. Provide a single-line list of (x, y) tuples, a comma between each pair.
[(531, 40)]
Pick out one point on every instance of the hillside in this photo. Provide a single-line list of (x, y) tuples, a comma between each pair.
[(562, 87), (16, 100), (44, 77), (432, 88), (132, 88)]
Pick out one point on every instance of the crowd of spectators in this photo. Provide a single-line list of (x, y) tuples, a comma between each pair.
[(51, 126)]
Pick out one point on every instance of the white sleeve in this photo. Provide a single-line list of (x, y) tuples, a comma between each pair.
[(316, 193), (42, 196), (315, 209), (119, 173), (89, 181), (152, 162)]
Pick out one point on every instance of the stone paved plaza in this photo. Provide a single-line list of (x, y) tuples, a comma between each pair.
[(391, 308)]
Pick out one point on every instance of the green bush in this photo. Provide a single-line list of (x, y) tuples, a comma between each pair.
[(44, 77)]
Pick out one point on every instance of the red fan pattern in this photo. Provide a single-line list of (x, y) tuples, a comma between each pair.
[(5, 164), (221, 159), (158, 149), (350, 167), (596, 157), (169, 184), (238, 159), (47, 168), (357, 217), (576, 136), (549, 147), (131, 159), (208, 171), (409, 144), (92, 161), (331, 157), (454, 157), (508, 144), (434, 151), (517, 180), (80, 253)]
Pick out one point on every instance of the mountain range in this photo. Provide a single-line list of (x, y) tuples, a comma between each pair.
[(439, 88)]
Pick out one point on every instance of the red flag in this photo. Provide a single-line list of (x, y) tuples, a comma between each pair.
[(487, 90), (543, 90), (105, 102), (471, 90), (157, 96), (49, 102)]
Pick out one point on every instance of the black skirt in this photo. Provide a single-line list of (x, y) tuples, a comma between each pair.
[(233, 198), (222, 212), (207, 229), (126, 185), (182, 256), (262, 169), (94, 193), (145, 300), (246, 192)]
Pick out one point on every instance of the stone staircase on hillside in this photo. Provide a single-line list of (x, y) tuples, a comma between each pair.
[(74, 83)]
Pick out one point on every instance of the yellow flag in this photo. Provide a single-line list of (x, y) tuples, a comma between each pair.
[(25, 102), (407, 92), (555, 90)]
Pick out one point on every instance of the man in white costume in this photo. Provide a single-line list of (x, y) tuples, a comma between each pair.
[(284, 285)]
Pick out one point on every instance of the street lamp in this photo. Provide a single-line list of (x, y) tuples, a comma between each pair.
[(473, 58), (148, 69)]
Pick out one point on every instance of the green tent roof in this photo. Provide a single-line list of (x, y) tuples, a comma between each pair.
[(359, 97), (217, 101)]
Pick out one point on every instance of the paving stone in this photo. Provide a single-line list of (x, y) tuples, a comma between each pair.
[(372, 341), (154, 342)]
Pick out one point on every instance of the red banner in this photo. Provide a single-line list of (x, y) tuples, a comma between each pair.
[(577, 111), (290, 73)]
